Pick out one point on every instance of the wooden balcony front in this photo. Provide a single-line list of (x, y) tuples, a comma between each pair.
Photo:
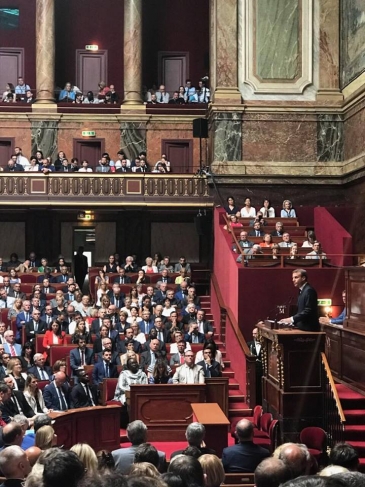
[(93, 189)]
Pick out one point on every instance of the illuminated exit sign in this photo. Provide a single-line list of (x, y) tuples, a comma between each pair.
[(91, 47), (324, 302), (88, 133)]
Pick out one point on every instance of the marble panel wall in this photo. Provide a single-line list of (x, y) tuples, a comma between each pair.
[(13, 239), (133, 138), (355, 133), (175, 239), (279, 137), (44, 137), (352, 39), (277, 40), (226, 131), (19, 131), (105, 240), (330, 137)]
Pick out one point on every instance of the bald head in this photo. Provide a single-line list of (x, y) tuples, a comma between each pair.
[(13, 434), (271, 472), (14, 463), (33, 453), (296, 457), (244, 430)]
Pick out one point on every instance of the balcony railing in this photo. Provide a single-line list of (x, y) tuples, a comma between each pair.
[(104, 189)]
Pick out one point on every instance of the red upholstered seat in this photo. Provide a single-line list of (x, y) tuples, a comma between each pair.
[(39, 343), (27, 287), (315, 439), (107, 391), (255, 419), (270, 442), (4, 316), (29, 278), (265, 422)]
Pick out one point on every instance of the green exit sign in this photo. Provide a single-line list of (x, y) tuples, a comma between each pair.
[(324, 302), (88, 133)]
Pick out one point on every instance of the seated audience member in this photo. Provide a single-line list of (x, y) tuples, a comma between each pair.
[(279, 230), (189, 373), (326, 320), (248, 211), (88, 458), (149, 356), (194, 335), (102, 338), (231, 208), (271, 472), (203, 93), (130, 265), (311, 239), (67, 94), (13, 166), (195, 434), (137, 435), (35, 326), (111, 266), (14, 465), (176, 100), (146, 453), (243, 242), (287, 242), (81, 330), (245, 456), (54, 336), (160, 373), (34, 396), (132, 375), (107, 344), (27, 356), (165, 265), (182, 264), (159, 168), (275, 251), (12, 434), (114, 95), (213, 470), (10, 347), (16, 309), (163, 334), (80, 356), (317, 252), (267, 241), (62, 468), (106, 462), (344, 455), (232, 223), (104, 369), (166, 165), (257, 231), (128, 337), (14, 370), (210, 366), (143, 167), (182, 95), (104, 165), (161, 95), (28, 435), (89, 98), (121, 167), (123, 358), (56, 394), (294, 252), (167, 308), (204, 326), (21, 88), (178, 358), (85, 165), (288, 210), (103, 89), (137, 334), (5, 300), (83, 394), (15, 404), (296, 457), (267, 210), (190, 92), (189, 469)]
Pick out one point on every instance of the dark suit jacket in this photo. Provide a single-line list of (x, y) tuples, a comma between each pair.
[(8, 408), (214, 369), (207, 326), (75, 358), (60, 278), (79, 399), (22, 296), (34, 370), (123, 170), (99, 372), (97, 347), (95, 326), (201, 338), (146, 346), (274, 233), (251, 345), (306, 318), (252, 233), (51, 399), (29, 329), (243, 457), (166, 336), (121, 347), (127, 280), (159, 297), (51, 290), (167, 279), (146, 358), (114, 361), (146, 327)]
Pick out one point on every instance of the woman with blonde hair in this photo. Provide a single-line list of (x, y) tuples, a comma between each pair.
[(87, 456), (34, 396), (144, 469), (14, 369), (45, 438), (15, 309), (213, 469)]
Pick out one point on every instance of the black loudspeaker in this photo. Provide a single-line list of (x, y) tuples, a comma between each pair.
[(200, 128)]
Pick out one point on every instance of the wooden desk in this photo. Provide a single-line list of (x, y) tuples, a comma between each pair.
[(216, 425), (99, 426)]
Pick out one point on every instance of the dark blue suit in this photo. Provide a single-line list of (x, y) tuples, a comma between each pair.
[(189, 338), (61, 278), (306, 318), (243, 457), (34, 370), (146, 327), (75, 358), (51, 398), (99, 372)]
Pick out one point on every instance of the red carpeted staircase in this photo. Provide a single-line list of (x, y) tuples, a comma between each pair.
[(353, 405), (236, 399)]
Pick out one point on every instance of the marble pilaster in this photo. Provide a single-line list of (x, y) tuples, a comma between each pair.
[(133, 138), (227, 136), (132, 52), (45, 137), (224, 51), (330, 131), (45, 51), (329, 50)]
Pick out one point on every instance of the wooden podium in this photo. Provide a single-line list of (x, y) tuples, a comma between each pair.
[(292, 387)]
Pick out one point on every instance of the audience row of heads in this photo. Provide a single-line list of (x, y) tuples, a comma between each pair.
[(286, 204)]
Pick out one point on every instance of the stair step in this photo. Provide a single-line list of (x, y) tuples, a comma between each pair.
[(233, 384), (235, 398), (228, 373), (359, 446), (227, 363), (238, 405), (355, 432), (354, 416)]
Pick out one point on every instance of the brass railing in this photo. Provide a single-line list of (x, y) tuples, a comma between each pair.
[(333, 417)]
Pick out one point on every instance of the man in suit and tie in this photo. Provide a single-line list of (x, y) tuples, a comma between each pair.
[(5, 300), (193, 335), (306, 318), (210, 366), (84, 394), (255, 349), (39, 370), (122, 278), (47, 315), (179, 357), (107, 344), (56, 394), (16, 293), (15, 404), (116, 296), (80, 356), (189, 373), (146, 324), (63, 277), (104, 369), (10, 347), (35, 326), (287, 242), (256, 232), (121, 345), (98, 322), (70, 295), (149, 357), (47, 288), (162, 334), (204, 326), (182, 293), (279, 230), (22, 318), (165, 276), (160, 295)]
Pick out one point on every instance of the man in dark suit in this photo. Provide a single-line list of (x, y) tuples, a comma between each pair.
[(64, 275), (39, 370), (204, 326), (165, 276), (122, 278), (121, 345), (255, 349), (80, 356), (195, 434), (98, 322), (83, 394), (279, 230), (46, 288), (107, 344), (149, 357), (70, 295), (16, 293), (245, 456), (256, 232), (15, 404), (162, 334), (104, 369), (147, 323), (193, 335), (116, 296), (160, 295), (56, 394), (210, 366), (35, 326), (306, 318), (81, 267)]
